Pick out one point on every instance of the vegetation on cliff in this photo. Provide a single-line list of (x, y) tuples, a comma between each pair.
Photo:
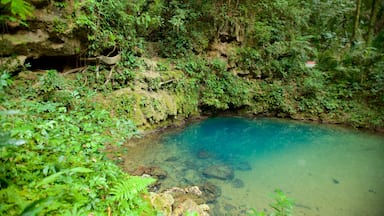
[(174, 59)]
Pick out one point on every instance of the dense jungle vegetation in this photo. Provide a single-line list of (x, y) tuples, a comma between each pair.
[(213, 55)]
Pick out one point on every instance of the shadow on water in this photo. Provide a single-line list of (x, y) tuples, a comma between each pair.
[(327, 170)]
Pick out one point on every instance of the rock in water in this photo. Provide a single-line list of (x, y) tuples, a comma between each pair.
[(210, 192), (242, 166), (203, 154), (237, 183), (222, 172), (153, 171)]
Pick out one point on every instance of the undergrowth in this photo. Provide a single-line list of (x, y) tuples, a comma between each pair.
[(53, 162)]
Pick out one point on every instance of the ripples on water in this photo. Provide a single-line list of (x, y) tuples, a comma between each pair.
[(326, 170)]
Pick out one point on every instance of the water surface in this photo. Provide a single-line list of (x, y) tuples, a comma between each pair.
[(326, 170)]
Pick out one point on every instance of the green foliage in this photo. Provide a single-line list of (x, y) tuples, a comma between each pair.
[(219, 88), (59, 26), (282, 206), (5, 81), (49, 83), (15, 11), (51, 148), (61, 167), (274, 39), (115, 25), (126, 195)]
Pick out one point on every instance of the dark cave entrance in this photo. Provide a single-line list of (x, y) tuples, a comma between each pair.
[(59, 63)]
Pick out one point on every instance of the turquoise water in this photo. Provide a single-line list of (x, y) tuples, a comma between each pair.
[(326, 170)]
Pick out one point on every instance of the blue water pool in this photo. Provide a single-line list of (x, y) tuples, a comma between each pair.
[(326, 170)]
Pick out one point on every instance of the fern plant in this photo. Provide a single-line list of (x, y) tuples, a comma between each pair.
[(126, 194)]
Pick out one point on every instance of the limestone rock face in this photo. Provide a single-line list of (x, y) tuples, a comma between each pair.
[(37, 43), (49, 33), (221, 172)]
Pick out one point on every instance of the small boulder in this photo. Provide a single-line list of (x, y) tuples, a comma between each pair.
[(175, 191), (189, 206), (162, 202), (221, 172), (193, 190)]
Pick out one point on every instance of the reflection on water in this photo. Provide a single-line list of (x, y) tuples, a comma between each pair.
[(327, 170)]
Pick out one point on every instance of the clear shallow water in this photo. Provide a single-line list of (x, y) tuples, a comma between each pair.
[(326, 170)]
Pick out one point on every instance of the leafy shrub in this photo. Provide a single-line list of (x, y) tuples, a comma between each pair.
[(5, 81), (49, 83), (60, 169), (114, 25), (15, 11)]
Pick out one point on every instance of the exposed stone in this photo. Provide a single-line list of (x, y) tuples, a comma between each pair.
[(184, 200), (162, 202), (50, 33), (175, 191), (149, 107), (13, 63), (189, 206), (193, 190), (37, 43), (222, 172)]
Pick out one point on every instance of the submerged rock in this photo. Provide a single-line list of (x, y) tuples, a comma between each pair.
[(221, 172), (153, 171), (210, 192), (191, 177), (242, 166), (204, 154), (237, 183), (172, 159)]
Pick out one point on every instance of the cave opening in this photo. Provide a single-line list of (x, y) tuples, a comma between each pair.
[(58, 63)]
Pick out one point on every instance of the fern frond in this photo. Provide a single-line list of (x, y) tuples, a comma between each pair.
[(130, 187), (20, 8)]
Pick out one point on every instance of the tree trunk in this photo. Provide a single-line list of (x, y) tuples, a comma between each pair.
[(372, 21), (357, 19)]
